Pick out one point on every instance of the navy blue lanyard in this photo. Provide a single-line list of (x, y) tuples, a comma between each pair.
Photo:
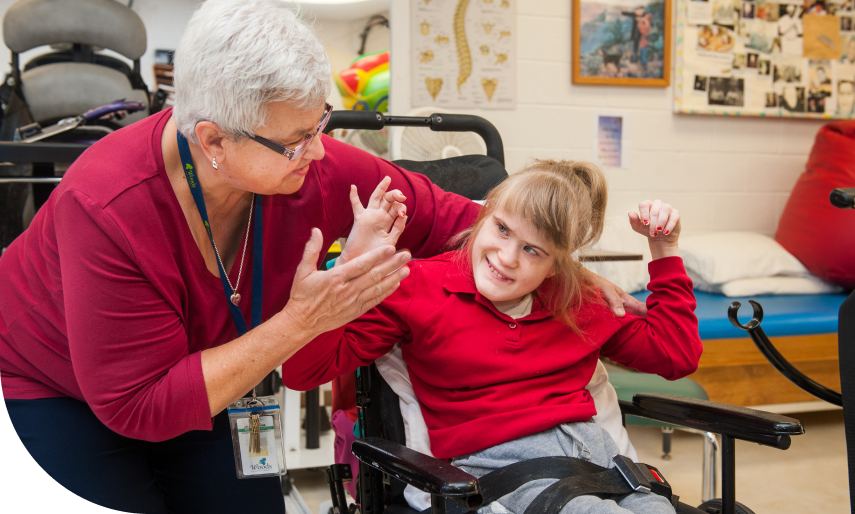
[(257, 242)]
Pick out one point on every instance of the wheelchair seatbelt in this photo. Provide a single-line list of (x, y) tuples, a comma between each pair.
[(604, 484), (502, 481), (576, 477)]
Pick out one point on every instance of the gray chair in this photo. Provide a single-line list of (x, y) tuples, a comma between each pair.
[(71, 77), (76, 80)]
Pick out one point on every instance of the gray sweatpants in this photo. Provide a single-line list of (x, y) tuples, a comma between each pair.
[(585, 440)]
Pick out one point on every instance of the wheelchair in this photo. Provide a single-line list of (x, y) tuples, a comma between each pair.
[(843, 198), (59, 85), (386, 466)]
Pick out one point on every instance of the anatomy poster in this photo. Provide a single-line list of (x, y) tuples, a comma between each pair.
[(785, 58), (464, 53)]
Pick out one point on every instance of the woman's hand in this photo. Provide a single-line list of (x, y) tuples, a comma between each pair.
[(619, 301), (378, 224), (660, 224), (325, 300)]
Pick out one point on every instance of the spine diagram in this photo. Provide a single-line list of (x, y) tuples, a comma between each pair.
[(464, 60)]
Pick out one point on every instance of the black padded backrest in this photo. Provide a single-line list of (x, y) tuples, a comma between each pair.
[(390, 412), (470, 176)]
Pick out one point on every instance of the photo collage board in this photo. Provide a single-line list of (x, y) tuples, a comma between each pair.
[(783, 58)]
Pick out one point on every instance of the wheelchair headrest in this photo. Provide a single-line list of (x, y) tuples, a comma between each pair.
[(105, 23), (470, 176)]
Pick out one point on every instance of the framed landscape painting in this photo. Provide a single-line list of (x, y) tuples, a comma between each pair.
[(622, 42)]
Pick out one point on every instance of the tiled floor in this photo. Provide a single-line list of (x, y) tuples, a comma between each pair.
[(810, 477)]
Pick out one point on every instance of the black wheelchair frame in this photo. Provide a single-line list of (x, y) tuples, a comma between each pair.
[(843, 198), (383, 461)]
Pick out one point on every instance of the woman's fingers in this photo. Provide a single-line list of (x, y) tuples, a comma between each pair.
[(375, 294), (364, 263), (634, 306), (311, 253), (374, 276)]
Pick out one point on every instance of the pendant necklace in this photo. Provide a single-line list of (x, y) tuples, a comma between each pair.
[(235, 298)]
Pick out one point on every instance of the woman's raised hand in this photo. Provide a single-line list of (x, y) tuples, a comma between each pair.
[(325, 300), (660, 224), (379, 223)]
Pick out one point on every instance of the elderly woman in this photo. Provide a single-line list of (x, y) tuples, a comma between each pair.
[(121, 334)]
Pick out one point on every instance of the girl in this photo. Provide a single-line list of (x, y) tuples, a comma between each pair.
[(501, 337)]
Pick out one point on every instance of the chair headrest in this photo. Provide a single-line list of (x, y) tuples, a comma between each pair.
[(105, 23), (470, 176)]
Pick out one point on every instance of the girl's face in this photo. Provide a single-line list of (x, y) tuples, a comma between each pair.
[(510, 259)]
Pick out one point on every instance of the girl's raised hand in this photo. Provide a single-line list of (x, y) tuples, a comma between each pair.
[(378, 224), (660, 223)]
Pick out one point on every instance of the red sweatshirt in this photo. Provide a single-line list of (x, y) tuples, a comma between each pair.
[(483, 378), (106, 297)]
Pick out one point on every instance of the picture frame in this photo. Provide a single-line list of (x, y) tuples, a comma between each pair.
[(621, 42)]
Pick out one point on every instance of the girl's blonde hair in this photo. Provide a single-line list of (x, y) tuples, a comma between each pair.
[(566, 202)]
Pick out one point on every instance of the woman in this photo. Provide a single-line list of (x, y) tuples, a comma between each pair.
[(119, 350)]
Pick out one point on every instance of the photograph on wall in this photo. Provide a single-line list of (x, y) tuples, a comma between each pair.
[(621, 42), (785, 58), (463, 54)]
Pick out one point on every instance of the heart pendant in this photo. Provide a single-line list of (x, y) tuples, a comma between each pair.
[(236, 299)]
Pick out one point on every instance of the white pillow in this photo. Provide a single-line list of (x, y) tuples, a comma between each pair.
[(726, 256), (769, 286)]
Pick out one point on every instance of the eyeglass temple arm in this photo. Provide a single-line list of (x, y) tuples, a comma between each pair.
[(370, 120)]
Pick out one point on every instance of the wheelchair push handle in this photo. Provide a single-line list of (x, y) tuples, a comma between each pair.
[(790, 372), (843, 197), (372, 120)]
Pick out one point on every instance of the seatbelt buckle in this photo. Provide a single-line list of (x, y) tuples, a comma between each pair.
[(658, 484), (633, 474)]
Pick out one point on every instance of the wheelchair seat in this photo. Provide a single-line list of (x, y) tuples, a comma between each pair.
[(393, 430)]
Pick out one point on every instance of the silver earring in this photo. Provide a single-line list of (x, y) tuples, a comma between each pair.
[(214, 163)]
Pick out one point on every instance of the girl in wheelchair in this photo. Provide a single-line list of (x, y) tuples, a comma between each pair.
[(501, 336)]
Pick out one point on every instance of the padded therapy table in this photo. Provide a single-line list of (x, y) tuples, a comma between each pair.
[(732, 370)]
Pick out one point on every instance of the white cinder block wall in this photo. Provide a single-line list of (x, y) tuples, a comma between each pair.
[(723, 173)]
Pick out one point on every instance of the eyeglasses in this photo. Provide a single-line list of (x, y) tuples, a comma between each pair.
[(300, 149)]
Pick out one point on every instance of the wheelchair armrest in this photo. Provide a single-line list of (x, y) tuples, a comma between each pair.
[(429, 474), (738, 422)]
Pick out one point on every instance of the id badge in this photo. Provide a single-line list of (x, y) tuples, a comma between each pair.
[(257, 437)]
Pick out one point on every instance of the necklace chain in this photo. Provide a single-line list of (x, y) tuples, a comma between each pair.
[(245, 240)]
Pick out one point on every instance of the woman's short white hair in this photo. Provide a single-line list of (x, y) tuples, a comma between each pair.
[(236, 56)]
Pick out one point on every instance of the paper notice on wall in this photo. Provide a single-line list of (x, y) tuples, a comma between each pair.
[(611, 141), (699, 13)]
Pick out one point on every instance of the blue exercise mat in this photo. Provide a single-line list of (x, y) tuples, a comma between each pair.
[(786, 315)]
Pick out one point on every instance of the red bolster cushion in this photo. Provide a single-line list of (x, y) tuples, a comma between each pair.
[(817, 233)]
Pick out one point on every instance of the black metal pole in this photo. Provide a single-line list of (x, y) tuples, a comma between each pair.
[(728, 475), (437, 504), (846, 349), (313, 419)]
